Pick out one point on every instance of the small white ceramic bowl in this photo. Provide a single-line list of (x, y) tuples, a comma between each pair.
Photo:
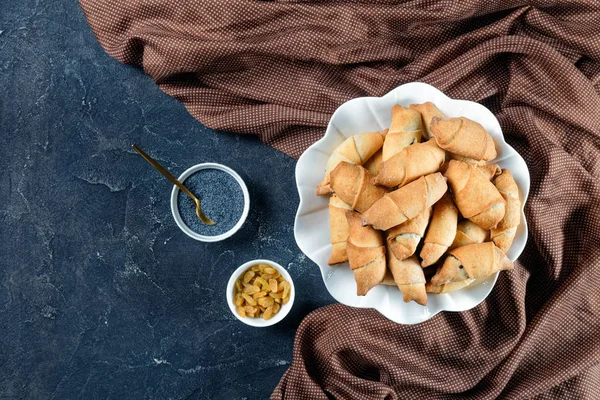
[(179, 220), (259, 322)]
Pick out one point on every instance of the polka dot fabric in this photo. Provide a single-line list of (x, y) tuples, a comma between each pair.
[(278, 69)]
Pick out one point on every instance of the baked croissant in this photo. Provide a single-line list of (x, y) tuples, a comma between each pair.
[(468, 232), (366, 254), (388, 278), (464, 137), (448, 287), (441, 231), (403, 239), (475, 196), (356, 149), (490, 171), (338, 228), (352, 184), (471, 262), (504, 234), (468, 160), (373, 164), (405, 203), (409, 277), (406, 129), (411, 163), (428, 110)]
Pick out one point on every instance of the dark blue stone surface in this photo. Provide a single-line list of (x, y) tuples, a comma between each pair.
[(101, 295)]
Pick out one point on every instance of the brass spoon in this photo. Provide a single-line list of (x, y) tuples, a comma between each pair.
[(175, 182)]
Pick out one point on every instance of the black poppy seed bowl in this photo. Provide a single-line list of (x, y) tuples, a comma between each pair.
[(223, 196)]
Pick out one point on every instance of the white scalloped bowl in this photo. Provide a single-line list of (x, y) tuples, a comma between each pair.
[(311, 227)]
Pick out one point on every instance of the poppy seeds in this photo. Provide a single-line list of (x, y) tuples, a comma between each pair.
[(221, 199)]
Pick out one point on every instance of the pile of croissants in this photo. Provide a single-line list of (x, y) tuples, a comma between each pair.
[(419, 205)]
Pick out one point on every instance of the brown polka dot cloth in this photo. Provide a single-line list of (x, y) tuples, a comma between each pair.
[(278, 69)]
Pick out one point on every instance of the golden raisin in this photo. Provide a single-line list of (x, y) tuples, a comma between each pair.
[(251, 289), (249, 299), (241, 311), (248, 276), (268, 314), (239, 300), (259, 295), (273, 285), (251, 309)]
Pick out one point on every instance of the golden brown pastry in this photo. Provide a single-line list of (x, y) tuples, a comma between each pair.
[(475, 196), (403, 239), (338, 228), (405, 203), (490, 171), (373, 164), (366, 254), (441, 231), (468, 160), (471, 262), (388, 278), (464, 137), (428, 111), (411, 163), (406, 129), (504, 234), (352, 184), (356, 149), (409, 277), (448, 287), (468, 232)]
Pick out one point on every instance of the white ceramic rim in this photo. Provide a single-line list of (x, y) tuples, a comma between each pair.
[(259, 322), (450, 304), (179, 220)]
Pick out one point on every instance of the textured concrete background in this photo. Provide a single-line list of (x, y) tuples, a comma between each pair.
[(101, 295)]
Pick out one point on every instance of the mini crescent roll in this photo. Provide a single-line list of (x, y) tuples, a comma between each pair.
[(471, 262), (468, 160), (338, 228), (411, 163), (441, 231), (468, 232), (409, 277), (490, 171), (356, 149), (373, 164), (504, 234), (366, 254), (403, 239), (448, 287), (388, 278), (406, 129), (464, 137), (428, 110), (475, 196), (352, 184), (405, 203)]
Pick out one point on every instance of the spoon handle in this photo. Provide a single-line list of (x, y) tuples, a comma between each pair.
[(163, 171)]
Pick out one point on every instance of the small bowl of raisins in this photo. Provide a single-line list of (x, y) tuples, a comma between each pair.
[(260, 293)]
